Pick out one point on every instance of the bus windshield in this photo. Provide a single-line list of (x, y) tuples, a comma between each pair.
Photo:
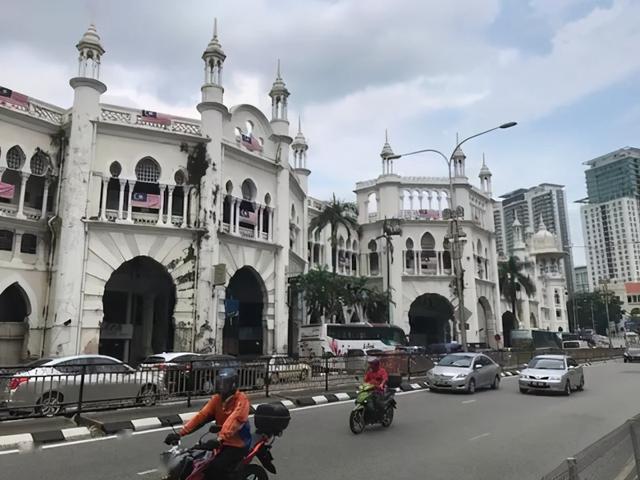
[(389, 335)]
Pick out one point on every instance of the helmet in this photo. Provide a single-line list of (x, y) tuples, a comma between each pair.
[(374, 362), (226, 382)]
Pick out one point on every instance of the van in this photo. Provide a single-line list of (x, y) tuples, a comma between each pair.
[(573, 344)]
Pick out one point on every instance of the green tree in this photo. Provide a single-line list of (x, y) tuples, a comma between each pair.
[(336, 213), (590, 309), (511, 279)]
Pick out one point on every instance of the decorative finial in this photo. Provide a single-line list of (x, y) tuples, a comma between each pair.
[(215, 27), (484, 163), (278, 73), (299, 125), (457, 139), (386, 136)]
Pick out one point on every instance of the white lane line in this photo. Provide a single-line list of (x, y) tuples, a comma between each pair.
[(468, 401), (478, 437), (78, 442), (147, 472), (7, 452)]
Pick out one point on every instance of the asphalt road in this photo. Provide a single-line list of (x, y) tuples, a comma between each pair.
[(490, 435)]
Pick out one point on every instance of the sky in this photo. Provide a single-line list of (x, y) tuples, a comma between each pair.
[(567, 71)]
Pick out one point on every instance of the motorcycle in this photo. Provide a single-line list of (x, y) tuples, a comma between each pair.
[(179, 463), (367, 412)]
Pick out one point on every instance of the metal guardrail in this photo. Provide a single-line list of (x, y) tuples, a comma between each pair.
[(614, 456), (73, 388)]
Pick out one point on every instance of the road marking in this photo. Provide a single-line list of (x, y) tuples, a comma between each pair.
[(7, 452), (147, 472), (478, 437), (78, 442), (468, 401)]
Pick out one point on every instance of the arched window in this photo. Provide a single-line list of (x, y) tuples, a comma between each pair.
[(249, 127), (374, 260), (115, 169), (409, 257), (428, 256), (446, 256), (15, 158), (179, 177), (39, 164), (148, 170), (238, 133), (293, 213), (249, 190), (372, 206), (479, 249)]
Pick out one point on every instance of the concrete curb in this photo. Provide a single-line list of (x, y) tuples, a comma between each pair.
[(27, 441)]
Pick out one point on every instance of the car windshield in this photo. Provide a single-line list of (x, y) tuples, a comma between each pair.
[(462, 361), (38, 363), (547, 363)]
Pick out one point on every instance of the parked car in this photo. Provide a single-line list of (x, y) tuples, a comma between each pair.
[(205, 370), (464, 372), (632, 354), (54, 386), (573, 344), (285, 369), (172, 368), (551, 373)]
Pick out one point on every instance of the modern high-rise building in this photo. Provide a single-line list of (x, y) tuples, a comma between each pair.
[(529, 205), (611, 215), (581, 276)]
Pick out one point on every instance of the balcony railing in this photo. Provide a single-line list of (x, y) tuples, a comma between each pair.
[(168, 123), (144, 218), (245, 232), (11, 210)]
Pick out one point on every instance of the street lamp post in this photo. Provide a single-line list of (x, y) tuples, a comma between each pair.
[(390, 228), (455, 232)]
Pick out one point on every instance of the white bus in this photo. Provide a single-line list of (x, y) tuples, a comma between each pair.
[(338, 339)]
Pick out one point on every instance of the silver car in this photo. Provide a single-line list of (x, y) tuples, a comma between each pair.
[(464, 372), (552, 373), (51, 387), (632, 354)]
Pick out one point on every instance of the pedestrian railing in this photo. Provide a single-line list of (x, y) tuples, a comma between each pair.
[(615, 456), (76, 386)]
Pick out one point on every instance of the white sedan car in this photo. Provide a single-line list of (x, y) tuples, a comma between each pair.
[(552, 373), (286, 369)]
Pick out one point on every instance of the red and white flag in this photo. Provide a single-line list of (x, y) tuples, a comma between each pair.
[(9, 96), (155, 117), (145, 200), (7, 190), (251, 143), (247, 213)]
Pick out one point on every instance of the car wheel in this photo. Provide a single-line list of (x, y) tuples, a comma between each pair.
[(626, 360), (524, 390), (496, 383), (50, 404), (471, 388), (567, 388), (581, 386), (147, 396)]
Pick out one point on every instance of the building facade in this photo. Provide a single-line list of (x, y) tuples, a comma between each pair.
[(582, 279), (129, 232), (543, 258), (547, 200), (417, 265), (610, 217)]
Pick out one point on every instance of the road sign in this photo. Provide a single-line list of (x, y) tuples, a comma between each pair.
[(219, 274), (467, 314)]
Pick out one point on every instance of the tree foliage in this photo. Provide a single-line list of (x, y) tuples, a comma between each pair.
[(512, 279), (591, 310), (327, 294), (336, 213)]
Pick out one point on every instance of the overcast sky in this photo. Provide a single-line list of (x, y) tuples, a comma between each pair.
[(567, 70)]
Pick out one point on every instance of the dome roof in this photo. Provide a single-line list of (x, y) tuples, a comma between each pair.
[(484, 170), (543, 241), (90, 39), (387, 151), (279, 87), (299, 139), (214, 48)]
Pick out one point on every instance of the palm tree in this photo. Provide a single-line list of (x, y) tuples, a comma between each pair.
[(511, 277), (336, 213)]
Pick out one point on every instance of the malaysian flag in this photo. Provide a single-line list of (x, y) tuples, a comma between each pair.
[(9, 96), (429, 214), (251, 143), (247, 213), (7, 190), (145, 200), (155, 117)]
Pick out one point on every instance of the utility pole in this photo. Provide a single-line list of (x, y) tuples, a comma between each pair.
[(390, 228)]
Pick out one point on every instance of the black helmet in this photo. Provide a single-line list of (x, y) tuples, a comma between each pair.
[(226, 382)]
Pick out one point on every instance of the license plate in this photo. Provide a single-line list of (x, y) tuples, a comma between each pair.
[(537, 384)]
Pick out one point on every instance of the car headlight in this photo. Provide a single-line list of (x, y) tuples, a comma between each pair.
[(556, 378), (460, 376)]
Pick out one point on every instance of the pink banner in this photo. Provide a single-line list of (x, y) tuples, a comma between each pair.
[(7, 190)]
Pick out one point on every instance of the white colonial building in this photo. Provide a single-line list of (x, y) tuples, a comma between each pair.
[(544, 260), (113, 219), (418, 267)]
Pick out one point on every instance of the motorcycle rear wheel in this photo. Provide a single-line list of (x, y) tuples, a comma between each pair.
[(387, 417), (356, 421), (254, 472)]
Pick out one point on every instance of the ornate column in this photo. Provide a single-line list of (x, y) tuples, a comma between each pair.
[(271, 226), (186, 191), (256, 230), (170, 205), (160, 221), (236, 218), (103, 200), (45, 198), (23, 184), (123, 182), (17, 244), (132, 184)]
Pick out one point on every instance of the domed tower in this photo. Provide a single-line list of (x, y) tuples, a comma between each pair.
[(387, 151), (519, 247), (485, 177), (458, 158), (66, 300), (300, 147), (212, 114), (279, 102)]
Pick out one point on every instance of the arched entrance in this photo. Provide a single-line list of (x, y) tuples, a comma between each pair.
[(243, 332), (508, 324), (15, 309), (430, 318), (138, 304), (485, 314)]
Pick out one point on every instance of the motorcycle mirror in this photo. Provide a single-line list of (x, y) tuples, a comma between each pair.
[(214, 428)]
